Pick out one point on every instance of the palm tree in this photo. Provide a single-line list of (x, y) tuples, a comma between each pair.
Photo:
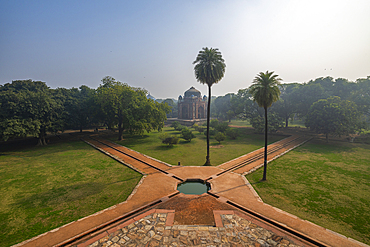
[(209, 69), (265, 91)]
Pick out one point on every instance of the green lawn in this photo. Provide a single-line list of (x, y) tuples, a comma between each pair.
[(328, 184), (245, 123), (46, 187), (296, 123), (242, 123), (193, 153)]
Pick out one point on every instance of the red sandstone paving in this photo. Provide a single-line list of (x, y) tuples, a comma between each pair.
[(138, 155), (199, 172), (188, 210), (152, 188), (233, 187), (236, 161), (193, 209)]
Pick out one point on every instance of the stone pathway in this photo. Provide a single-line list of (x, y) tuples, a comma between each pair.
[(151, 230)]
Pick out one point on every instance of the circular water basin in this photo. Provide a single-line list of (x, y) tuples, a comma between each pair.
[(193, 187)]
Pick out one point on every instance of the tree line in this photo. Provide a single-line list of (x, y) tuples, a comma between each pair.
[(295, 102), (295, 99), (31, 108)]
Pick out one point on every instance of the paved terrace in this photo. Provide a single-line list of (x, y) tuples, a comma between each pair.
[(153, 215)]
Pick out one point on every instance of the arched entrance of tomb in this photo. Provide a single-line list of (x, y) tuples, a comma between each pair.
[(201, 112), (185, 112)]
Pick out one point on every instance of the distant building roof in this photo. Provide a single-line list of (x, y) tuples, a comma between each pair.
[(192, 91), (150, 97)]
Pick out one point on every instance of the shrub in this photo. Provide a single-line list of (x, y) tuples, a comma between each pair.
[(195, 126), (275, 122), (258, 123), (180, 127), (169, 140), (222, 127), (200, 129), (232, 133), (187, 134), (220, 137), (163, 136), (175, 124), (213, 123), (212, 132)]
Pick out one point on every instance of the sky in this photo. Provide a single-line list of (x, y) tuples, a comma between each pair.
[(152, 44)]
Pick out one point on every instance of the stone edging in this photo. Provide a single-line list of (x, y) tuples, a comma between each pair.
[(274, 158), (115, 157), (169, 165)]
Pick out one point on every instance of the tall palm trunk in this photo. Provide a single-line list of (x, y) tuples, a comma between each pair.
[(265, 156), (208, 162)]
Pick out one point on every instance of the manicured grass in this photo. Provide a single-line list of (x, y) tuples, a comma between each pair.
[(245, 123), (46, 187), (242, 123), (328, 184), (297, 123), (193, 153)]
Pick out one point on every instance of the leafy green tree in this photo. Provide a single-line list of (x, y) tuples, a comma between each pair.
[(258, 124), (187, 134), (213, 123), (180, 127), (78, 106), (220, 137), (244, 105), (175, 124), (275, 122), (174, 111), (334, 116), (232, 133), (222, 107), (361, 96), (343, 88), (209, 69), (222, 127), (29, 108), (285, 107), (265, 91), (129, 108), (305, 95)]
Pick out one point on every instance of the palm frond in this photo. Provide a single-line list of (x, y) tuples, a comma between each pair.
[(265, 89), (209, 66)]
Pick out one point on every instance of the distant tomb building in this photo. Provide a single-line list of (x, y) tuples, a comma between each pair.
[(192, 105)]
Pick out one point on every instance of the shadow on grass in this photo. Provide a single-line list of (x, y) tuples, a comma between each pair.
[(132, 140), (164, 147), (332, 147), (59, 195), (260, 181)]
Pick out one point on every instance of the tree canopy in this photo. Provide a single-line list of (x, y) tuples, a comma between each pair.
[(31, 108), (129, 108), (334, 116)]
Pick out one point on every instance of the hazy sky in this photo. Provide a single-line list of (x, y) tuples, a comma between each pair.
[(152, 44)]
